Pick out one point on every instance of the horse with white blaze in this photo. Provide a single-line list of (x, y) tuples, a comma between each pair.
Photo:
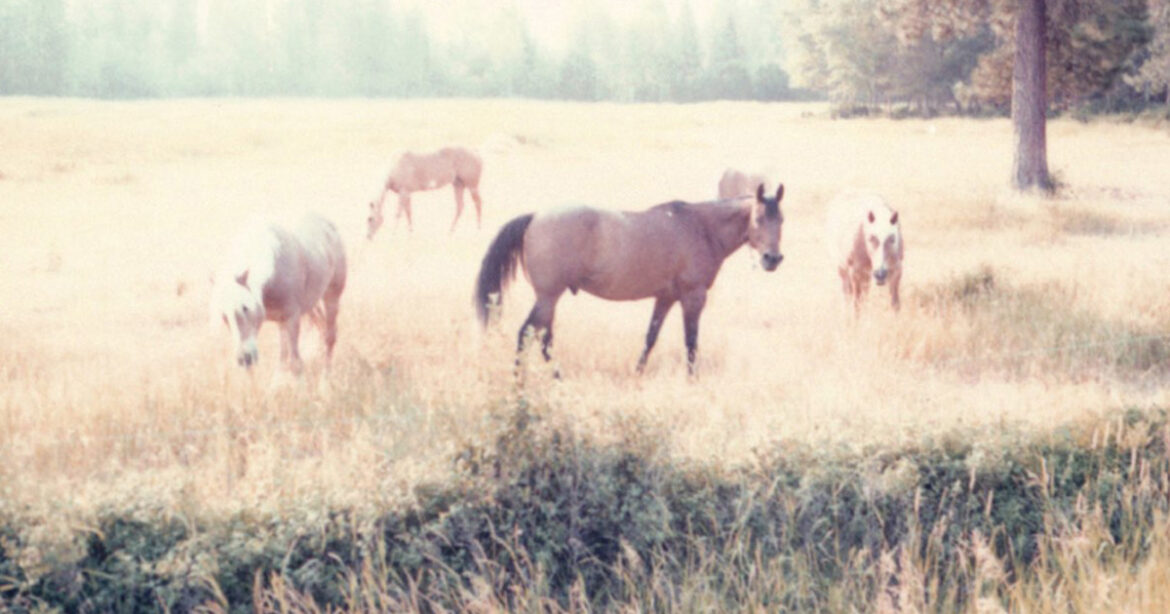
[(279, 274), (865, 240)]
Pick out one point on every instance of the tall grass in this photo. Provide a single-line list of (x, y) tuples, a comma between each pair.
[(142, 470)]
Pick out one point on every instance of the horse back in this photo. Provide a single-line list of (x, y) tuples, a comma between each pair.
[(467, 164), (614, 255), (322, 258)]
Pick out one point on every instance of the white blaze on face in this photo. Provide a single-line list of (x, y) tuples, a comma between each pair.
[(242, 313), (882, 238)]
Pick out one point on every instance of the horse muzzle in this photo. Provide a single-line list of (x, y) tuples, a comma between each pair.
[(771, 261), (247, 359)]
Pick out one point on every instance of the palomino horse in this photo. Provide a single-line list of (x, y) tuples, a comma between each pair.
[(671, 252), (735, 183), (417, 172), (280, 275), (865, 238)]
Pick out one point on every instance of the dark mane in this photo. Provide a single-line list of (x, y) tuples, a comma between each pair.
[(678, 205)]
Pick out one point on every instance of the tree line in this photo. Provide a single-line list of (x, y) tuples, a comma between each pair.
[(907, 56), (925, 57), (125, 48)]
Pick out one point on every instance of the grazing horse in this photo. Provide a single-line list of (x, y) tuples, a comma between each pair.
[(458, 166), (864, 239), (735, 183), (671, 252), (280, 274)]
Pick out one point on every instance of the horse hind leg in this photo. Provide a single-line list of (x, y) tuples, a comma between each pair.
[(537, 325), (328, 326), (662, 306), (458, 202), (478, 205)]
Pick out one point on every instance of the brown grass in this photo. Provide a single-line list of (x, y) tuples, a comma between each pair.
[(114, 386)]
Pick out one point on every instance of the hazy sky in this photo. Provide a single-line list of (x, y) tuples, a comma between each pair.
[(550, 20)]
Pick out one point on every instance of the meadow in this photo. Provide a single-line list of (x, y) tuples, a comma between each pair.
[(1022, 317)]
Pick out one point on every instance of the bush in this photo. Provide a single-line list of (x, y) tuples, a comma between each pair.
[(543, 518)]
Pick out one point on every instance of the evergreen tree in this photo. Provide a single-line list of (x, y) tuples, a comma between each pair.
[(1153, 75), (684, 57), (727, 73)]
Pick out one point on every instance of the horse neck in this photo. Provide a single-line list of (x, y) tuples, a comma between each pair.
[(726, 225), (260, 260)]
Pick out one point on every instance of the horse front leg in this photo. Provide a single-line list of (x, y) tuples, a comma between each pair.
[(290, 338), (662, 306), (860, 287), (846, 276), (375, 219), (895, 283), (404, 208), (458, 204), (692, 306), (283, 345)]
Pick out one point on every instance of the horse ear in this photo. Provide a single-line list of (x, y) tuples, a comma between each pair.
[(871, 217), (779, 193), (894, 218), (242, 278), (760, 192)]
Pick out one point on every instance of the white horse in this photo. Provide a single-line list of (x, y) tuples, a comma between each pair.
[(280, 274), (865, 239), (736, 183)]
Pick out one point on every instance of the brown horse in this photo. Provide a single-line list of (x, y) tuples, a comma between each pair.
[(671, 252), (456, 166)]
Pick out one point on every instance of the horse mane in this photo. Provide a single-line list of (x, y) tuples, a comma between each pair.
[(255, 251)]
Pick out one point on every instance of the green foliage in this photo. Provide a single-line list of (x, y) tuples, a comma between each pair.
[(545, 516), (1153, 74)]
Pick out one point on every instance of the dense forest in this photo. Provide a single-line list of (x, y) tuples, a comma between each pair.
[(861, 54), (124, 48)]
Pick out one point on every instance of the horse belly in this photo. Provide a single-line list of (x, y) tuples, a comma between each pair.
[(625, 287), (632, 274), (638, 261)]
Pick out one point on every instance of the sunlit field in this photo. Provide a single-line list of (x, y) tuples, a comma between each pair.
[(116, 390)]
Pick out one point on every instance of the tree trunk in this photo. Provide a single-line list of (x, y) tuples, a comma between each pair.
[(1030, 98)]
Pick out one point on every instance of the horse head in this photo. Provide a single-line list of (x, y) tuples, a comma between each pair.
[(242, 312), (374, 220), (765, 224), (883, 239)]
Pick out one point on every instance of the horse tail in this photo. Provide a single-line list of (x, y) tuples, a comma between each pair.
[(500, 264)]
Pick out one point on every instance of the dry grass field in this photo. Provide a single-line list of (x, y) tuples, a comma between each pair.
[(115, 388)]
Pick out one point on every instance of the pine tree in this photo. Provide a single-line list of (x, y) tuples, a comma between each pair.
[(1153, 76)]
